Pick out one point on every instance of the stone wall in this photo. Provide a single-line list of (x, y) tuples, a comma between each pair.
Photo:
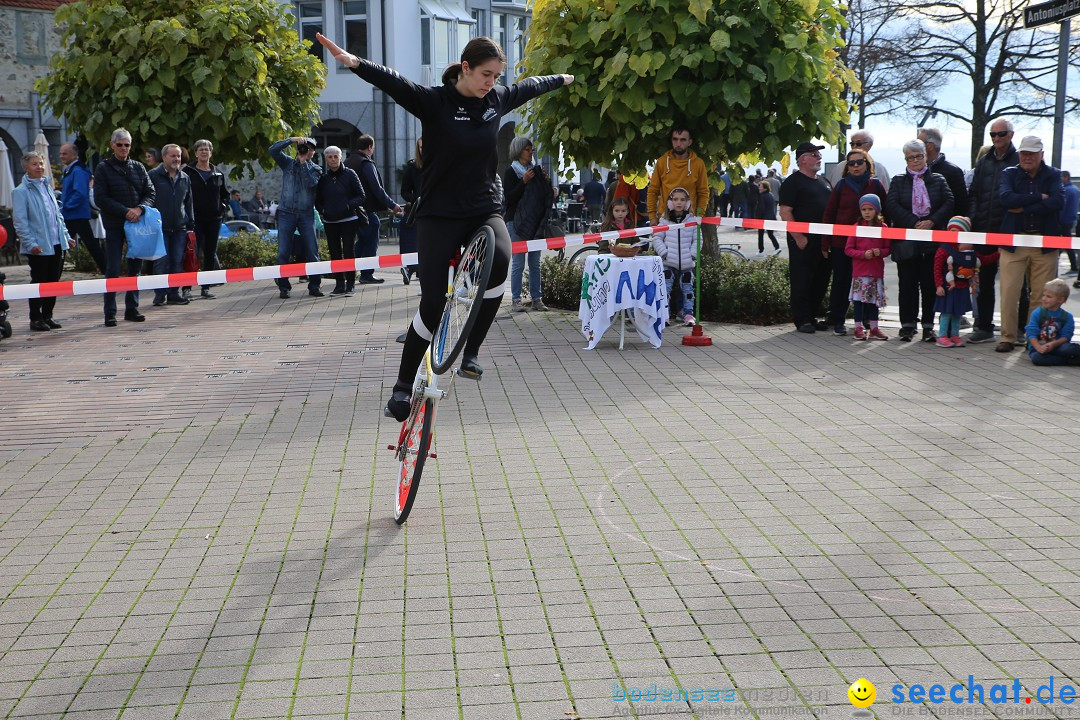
[(28, 38)]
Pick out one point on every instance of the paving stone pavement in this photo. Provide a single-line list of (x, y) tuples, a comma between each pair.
[(195, 521)]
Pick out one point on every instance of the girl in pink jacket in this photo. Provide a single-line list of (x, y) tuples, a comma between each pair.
[(868, 270)]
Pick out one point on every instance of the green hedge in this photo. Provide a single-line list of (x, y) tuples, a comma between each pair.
[(750, 292)]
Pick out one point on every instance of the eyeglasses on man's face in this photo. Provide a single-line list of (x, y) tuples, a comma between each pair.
[(120, 144), (1001, 134), (859, 143)]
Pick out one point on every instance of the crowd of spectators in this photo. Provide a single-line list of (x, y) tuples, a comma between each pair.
[(1010, 190)]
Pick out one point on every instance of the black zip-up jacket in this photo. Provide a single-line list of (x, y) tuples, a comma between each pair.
[(410, 182), (210, 198), (339, 195), (899, 214), (375, 197), (119, 186), (460, 137), (173, 199), (984, 194), (955, 177)]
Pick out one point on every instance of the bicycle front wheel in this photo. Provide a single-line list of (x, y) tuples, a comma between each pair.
[(464, 297), (732, 252), (414, 453)]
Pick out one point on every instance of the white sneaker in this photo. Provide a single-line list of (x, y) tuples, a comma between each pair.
[(776, 251), (758, 256), (688, 320)]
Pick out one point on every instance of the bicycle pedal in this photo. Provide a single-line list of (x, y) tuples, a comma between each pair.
[(391, 447)]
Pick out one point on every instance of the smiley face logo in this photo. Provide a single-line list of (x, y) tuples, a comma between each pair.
[(862, 693)]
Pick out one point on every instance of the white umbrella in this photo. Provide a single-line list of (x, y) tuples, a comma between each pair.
[(7, 181), (41, 145)]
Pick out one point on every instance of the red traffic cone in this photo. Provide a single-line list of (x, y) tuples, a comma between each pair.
[(697, 337)]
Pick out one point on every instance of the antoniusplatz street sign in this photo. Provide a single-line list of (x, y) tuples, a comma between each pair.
[(1050, 12)]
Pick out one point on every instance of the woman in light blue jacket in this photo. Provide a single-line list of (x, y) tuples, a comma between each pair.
[(43, 237)]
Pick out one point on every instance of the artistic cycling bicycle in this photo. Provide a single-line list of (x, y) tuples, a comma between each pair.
[(466, 283)]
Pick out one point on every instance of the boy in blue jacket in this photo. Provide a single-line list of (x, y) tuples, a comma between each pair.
[(1050, 329)]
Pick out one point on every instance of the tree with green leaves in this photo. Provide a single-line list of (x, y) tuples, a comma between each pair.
[(747, 76), (179, 70)]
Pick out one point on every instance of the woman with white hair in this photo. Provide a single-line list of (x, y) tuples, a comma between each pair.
[(43, 236), (921, 200), (528, 193), (339, 198)]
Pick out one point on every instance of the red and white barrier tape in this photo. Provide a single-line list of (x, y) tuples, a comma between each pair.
[(272, 272), (1052, 242)]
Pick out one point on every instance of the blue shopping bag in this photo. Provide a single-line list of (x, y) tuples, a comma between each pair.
[(145, 240)]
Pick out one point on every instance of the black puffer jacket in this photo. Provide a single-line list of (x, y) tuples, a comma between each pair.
[(955, 177), (339, 195), (209, 197), (984, 194), (899, 214), (528, 204), (119, 186)]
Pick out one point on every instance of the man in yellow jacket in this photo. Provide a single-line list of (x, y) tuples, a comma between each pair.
[(679, 167)]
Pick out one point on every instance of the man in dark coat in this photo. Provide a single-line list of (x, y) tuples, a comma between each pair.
[(986, 215), (122, 191)]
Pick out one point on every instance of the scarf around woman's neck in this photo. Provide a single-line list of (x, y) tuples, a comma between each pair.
[(920, 197), (857, 182), (521, 169)]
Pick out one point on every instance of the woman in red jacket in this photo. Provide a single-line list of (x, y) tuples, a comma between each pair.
[(843, 209)]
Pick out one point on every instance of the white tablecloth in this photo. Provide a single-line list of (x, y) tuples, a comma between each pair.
[(610, 284)]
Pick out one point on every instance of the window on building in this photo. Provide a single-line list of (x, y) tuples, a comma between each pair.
[(444, 43), (311, 22), (479, 27), (519, 39), (425, 40), (354, 16), (501, 35)]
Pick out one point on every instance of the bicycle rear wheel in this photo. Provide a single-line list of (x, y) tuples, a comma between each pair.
[(414, 446), (732, 252), (580, 255), (463, 299)]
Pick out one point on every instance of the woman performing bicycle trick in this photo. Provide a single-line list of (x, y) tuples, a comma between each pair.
[(460, 123)]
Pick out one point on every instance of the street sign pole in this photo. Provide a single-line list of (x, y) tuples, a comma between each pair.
[(1059, 104)]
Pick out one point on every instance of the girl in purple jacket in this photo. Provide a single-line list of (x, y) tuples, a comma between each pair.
[(868, 270)]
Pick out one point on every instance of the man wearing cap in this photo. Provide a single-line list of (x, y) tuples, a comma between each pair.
[(296, 213), (986, 216), (803, 197), (1032, 196)]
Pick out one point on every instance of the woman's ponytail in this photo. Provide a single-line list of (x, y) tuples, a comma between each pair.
[(451, 73)]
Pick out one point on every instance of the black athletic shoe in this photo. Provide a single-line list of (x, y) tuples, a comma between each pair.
[(928, 335), (399, 405), (470, 368), (906, 333)]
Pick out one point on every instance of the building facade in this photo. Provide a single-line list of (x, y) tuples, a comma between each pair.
[(28, 38), (418, 38)]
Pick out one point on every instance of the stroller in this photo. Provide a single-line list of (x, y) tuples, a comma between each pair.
[(5, 326)]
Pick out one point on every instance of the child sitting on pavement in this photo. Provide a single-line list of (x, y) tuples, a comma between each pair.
[(1049, 332), (678, 250)]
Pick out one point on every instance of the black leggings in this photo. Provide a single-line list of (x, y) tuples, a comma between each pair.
[(437, 240)]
